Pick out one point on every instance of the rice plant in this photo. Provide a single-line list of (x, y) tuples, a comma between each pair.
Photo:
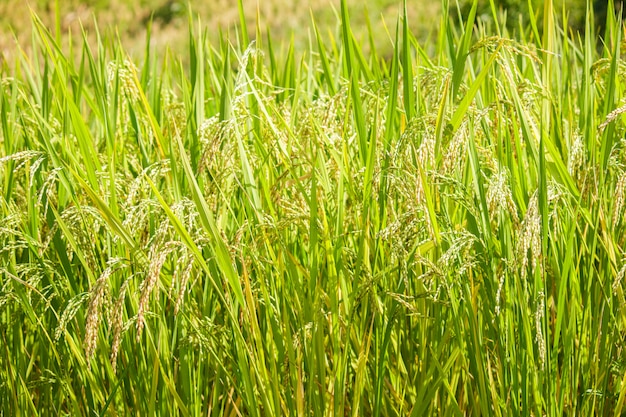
[(250, 229)]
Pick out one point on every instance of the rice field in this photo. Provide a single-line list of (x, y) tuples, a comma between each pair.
[(247, 228)]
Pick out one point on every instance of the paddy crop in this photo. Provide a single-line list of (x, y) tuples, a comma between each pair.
[(247, 228)]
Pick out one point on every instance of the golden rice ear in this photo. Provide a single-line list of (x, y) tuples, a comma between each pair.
[(186, 273), (117, 323), (619, 200), (158, 256), (500, 198), (529, 238), (97, 298)]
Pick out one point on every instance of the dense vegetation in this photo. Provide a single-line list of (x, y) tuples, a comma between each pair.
[(324, 232)]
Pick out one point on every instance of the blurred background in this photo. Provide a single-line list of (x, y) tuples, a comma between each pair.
[(283, 18)]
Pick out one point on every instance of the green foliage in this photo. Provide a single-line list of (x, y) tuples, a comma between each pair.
[(518, 13), (269, 231), (166, 12)]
